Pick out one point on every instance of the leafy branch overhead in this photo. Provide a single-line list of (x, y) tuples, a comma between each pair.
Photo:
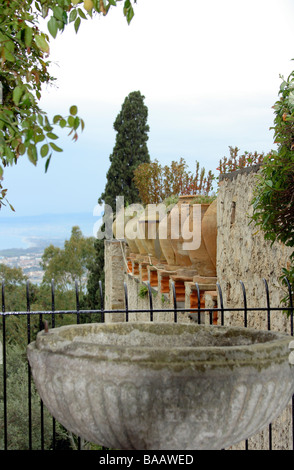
[(25, 129)]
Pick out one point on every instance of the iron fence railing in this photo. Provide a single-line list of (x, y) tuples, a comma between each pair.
[(79, 315)]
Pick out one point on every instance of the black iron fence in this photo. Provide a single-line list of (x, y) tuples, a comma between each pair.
[(22, 430)]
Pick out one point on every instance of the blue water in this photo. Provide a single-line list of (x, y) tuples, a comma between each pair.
[(41, 230)]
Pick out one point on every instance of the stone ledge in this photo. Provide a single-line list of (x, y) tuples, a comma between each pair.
[(242, 171)]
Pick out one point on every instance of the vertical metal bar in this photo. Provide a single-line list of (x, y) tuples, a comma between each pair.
[(53, 326), (126, 302), (53, 303), (245, 325), (267, 305), (268, 327), (291, 327), (175, 302), (221, 302), (29, 369), (245, 303), (198, 301), (291, 303), (4, 369), (101, 302), (150, 301), (77, 301), (78, 321)]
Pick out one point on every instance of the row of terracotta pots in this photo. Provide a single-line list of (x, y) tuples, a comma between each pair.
[(164, 238)]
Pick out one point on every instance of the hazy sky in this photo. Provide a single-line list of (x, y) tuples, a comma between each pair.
[(209, 71)]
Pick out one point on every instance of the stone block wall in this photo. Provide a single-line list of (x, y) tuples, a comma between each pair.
[(244, 255)]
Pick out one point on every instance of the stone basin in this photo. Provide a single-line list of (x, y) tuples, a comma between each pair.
[(161, 386)]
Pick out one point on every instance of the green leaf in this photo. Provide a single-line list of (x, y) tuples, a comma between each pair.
[(44, 150), (17, 93), (55, 147), (291, 100), (57, 118), (52, 136), (130, 14), (77, 24), (47, 162), (71, 121), (28, 36), (73, 15), (39, 138), (73, 110), (40, 119), (58, 13), (62, 123), (41, 42), (52, 26), (8, 56), (82, 14), (21, 149), (9, 45), (32, 154), (76, 123)]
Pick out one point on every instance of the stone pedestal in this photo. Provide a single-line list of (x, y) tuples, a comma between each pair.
[(115, 268)]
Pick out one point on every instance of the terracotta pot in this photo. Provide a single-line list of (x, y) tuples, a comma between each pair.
[(209, 228), (165, 241), (199, 255), (118, 226), (148, 224), (131, 230), (178, 215)]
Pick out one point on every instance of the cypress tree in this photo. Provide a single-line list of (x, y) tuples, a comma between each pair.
[(130, 150)]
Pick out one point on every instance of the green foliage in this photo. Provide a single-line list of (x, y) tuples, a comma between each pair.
[(96, 274), (236, 162), (17, 406), (130, 150), (143, 291), (156, 183), (273, 203), (15, 285), (25, 129), (69, 264)]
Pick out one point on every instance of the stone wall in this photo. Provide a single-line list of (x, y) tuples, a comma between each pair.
[(244, 255)]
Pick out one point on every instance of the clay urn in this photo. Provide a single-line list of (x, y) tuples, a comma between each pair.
[(177, 217), (165, 240), (200, 257), (119, 223), (209, 229), (133, 236), (148, 228)]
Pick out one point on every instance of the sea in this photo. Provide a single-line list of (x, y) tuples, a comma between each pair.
[(39, 231)]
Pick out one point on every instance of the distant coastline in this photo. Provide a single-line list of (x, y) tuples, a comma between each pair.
[(30, 234), (9, 252)]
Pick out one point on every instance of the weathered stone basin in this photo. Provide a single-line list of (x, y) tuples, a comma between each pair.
[(162, 385)]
